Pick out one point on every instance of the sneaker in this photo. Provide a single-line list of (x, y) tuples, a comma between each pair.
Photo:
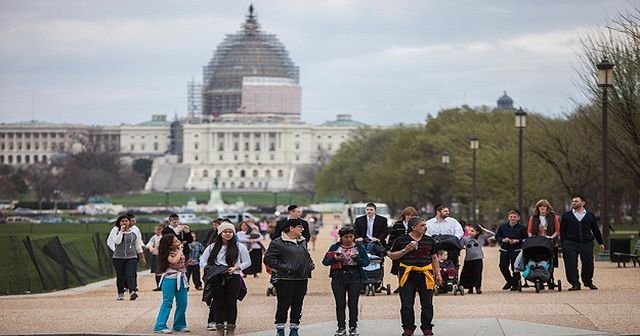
[(157, 289), (427, 332), (408, 332), (184, 330), (526, 285), (133, 296), (478, 291), (163, 331), (470, 291), (506, 286), (120, 296), (353, 331), (341, 332), (211, 326), (280, 332), (198, 288), (293, 332)]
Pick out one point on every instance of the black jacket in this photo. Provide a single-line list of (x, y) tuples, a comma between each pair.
[(517, 231), (289, 259), (185, 237), (212, 278), (380, 229), (281, 224)]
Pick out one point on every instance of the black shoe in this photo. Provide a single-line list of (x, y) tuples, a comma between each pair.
[(157, 289), (506, 286), (526, 285), (591, 286), (478, 291), (396, 291), (574, 288), (551, 285), (470, 291), (515, 288)]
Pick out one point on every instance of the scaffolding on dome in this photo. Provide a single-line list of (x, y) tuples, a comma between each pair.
[(249, 52)]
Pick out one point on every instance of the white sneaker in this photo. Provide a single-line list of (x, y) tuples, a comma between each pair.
[(211, 326), (133, 296), (163, 331), (120, 296), (184, 330)]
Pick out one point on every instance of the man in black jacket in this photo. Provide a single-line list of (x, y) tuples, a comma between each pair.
[(291, 263), (294, 213), (371, 226), (578, 228)]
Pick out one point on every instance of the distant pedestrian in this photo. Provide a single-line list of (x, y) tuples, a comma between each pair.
[(371, 227), (313, 230), (291, 265), (249, 234), (511, 235), (193, 264), (181, 231), (229, 257), (294, 213), (578, 228), (152, 246), (346, 258), (128, 248), (173, 265), (471, 276), (419, 272), (213, 233)]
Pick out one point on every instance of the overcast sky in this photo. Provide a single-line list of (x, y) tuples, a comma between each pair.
[(384, 62)]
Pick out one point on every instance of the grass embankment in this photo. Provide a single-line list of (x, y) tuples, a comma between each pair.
[(181, 198)]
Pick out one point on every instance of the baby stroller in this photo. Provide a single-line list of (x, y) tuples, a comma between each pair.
[(537, 263), (374, 272), (449, 269)]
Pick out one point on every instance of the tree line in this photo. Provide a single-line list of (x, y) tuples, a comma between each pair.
[(562, 154)]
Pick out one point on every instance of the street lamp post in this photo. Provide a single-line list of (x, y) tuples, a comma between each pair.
[(445, 161), (56, 194), (474, 143), (521, 123), (605, 81), (166, 199)]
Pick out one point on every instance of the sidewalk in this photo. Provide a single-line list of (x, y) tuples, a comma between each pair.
[(614, 309)]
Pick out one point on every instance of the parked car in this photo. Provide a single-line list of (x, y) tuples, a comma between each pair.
[(21, 219), (192, 218), (237, 217)]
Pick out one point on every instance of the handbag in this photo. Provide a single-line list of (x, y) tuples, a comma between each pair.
[(332, 255)]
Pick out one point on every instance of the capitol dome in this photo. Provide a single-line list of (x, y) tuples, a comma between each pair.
[(249, 54), (505, 102)]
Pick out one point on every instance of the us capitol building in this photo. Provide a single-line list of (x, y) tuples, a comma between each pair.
[(242, 129)]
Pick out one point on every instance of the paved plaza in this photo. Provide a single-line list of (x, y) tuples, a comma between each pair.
[(614, 309)]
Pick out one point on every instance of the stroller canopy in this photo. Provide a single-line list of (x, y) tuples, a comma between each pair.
[(540, 248), (448, 243)]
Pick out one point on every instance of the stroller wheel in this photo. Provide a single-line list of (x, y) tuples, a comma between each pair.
[(436, 290), (268, 291), (559, 286), (461, 289), (388, 289), (372, 288), (537, 284)]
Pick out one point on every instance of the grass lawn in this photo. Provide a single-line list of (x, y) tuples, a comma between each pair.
[(181, 198)]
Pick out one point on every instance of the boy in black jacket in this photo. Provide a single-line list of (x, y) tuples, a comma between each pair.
[(511, 235)]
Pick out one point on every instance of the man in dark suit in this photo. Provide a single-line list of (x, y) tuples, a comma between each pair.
[(371, 226), (294, 213)]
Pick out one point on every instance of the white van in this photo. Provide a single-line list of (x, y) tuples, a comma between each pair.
[(354, 210), (236, 217), (191, 218)]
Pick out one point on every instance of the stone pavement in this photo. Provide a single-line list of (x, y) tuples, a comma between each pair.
[(614, 309)]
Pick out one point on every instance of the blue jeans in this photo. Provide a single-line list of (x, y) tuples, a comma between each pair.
[(169, 291)]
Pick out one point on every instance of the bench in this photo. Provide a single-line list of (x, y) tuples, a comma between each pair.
[(624, 258)]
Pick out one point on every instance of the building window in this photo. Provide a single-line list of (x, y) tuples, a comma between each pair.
[(155, 146), (28, 146), (267, 173), (205, 173), (297, 145), (329, 147), (272, 147), (319, 147), (44, 158), (220, 158), (2, 146), (195, 145), (236, 147), (280, 173), (224, 185), (250, 184), (53, 146), (242, 173), (230, 173), (10, 159), (2, 159), (195, 158), (132, 147), (246, 146), (27, 159), (255, 173), (218, 173), (18, 159), (44, 146), (142, 147), (221, 147), (257, 157), (35, 158), (297, 157), (257, 147)]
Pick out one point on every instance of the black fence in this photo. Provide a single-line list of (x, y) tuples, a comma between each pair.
[(48, 264)]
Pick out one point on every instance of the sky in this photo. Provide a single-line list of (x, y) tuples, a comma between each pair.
[(383, 62)]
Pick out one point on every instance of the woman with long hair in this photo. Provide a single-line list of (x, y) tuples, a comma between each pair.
[(172, 264), (128, 247), (249, 234), (544, 222), (228, 252)]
